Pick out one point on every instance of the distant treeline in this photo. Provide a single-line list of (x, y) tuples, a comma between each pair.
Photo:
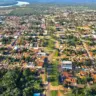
[(47, 8), (33, 9)]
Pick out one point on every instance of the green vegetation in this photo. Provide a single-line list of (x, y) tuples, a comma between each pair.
[(83, 92), (31, 10), (19, 82), (56, 53), (73, 41), (54, 74), (6, 40), (54, 93), (50, 44)]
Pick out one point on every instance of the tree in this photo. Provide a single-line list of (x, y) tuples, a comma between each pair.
[(16, 92), (92, 90), (19, 82), (50, 44), (9, 79), (56, 53)]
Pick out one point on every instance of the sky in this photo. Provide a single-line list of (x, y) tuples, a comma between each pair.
[(77, 1), (60, 1)]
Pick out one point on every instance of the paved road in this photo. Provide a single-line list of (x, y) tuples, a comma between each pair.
[(50, 57), (89, 53), (48, 92), (87, 50), (14, 42)]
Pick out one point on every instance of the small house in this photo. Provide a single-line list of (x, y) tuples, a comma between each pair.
[(30, 65), (40, 65), (36, 94), (41, 54)]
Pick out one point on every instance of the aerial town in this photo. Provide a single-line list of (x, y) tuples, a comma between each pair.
[(49, 53)]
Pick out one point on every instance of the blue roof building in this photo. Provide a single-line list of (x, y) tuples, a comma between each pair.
[(36, 94)]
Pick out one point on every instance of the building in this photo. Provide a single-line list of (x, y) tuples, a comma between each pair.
[(36, 94), (30, 65), (66, 65), (41, 54)]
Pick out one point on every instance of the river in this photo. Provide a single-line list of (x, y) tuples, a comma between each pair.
[(19, 3)]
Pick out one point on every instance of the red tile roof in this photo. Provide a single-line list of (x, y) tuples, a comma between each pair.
[(40, 64), (66, 74)]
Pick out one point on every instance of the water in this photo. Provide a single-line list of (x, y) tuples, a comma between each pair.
[(19, 3)]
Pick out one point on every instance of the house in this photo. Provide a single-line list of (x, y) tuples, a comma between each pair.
[(36, 94), (43, 26), (1, 22), (81, 86), (0, 43), (40, 62), (45, 32), (94, 37), (39, 65), (70, 81), (30, 65), (66, 65), (41, 54), (35, 45), (93, 32), (15, 47), (15, 37), (93, 75), (66, 75)]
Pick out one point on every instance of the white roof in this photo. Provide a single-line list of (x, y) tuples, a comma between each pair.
[(42, 53), (67, 62), (94, 36), (16, 47)]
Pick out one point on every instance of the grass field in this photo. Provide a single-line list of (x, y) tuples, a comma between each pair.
[(54, 93)]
